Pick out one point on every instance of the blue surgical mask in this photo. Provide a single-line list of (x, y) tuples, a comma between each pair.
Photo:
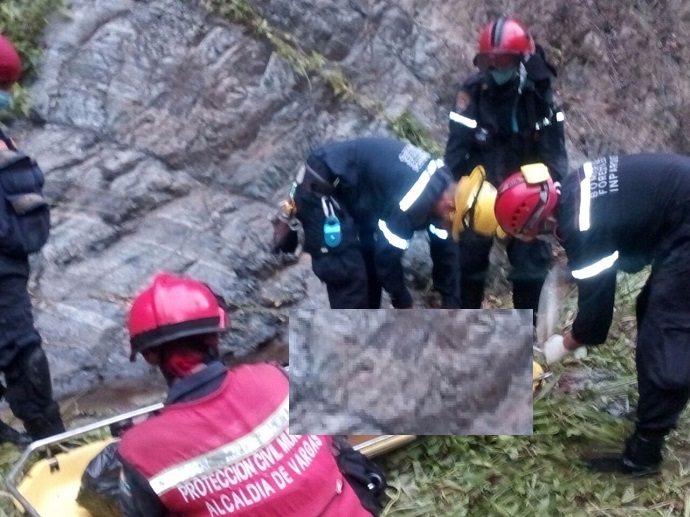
[(5, 100), (502, 76)]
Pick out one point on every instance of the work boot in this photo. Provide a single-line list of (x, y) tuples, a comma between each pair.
[(642, 456), (39, 428), (10, 435)]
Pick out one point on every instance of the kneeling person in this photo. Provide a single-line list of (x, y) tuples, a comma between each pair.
[(221, 444)]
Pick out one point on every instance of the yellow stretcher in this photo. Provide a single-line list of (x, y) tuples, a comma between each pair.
[(49, 487)]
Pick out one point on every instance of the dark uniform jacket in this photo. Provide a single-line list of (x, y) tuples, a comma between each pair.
[(620, 213), (505, 127), (389, 188), (16, 320)]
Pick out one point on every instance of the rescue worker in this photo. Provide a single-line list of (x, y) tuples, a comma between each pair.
[(22, 360), (620, 213), (221, 444), (359, 202), (505, 116)]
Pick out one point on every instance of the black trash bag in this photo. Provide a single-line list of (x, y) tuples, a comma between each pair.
[(364, 476), (100, 484)]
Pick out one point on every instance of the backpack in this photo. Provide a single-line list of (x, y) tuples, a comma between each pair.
[(364, 476), (24, 212)]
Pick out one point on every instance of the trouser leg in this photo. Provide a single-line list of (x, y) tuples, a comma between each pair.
[(374, 287), (30, 394), (530, 265), (663, 351), (445, 271), (345, 276), (473, 254)]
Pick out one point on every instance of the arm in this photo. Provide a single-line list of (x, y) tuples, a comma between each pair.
[(392, 239), (595, 308), (462, 123), (551, 142), (446, 271)]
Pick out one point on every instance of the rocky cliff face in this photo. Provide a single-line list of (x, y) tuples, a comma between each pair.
[(168, 133)]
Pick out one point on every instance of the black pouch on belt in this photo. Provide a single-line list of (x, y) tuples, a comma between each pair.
[(313, 182)]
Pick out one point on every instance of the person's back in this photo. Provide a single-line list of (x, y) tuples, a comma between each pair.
[(630, 204), (221, 444), (375, 173), (231, 451)]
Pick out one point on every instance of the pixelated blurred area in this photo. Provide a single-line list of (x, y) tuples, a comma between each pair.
[(415, 371)]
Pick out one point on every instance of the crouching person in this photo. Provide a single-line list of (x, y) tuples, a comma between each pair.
[(221, 444)]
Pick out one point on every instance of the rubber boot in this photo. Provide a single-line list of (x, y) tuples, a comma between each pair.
[(46, 425), (642, 454), (641, 457), (10, 435)]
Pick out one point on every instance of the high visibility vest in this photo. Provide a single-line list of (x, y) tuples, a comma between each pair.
[(230, 453)]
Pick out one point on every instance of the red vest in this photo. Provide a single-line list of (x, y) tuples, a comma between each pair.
[(230, 453)]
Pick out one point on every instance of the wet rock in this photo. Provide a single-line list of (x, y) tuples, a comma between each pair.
[(167, 135), (410, 372)]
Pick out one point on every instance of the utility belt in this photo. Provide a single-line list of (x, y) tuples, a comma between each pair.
[(313, 182)]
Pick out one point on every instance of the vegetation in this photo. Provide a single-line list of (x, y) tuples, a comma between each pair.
[(539, 475), (23, 22), (543, 474), (313, 64)]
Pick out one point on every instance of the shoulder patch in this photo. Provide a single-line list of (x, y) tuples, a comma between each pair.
[(462, 101)]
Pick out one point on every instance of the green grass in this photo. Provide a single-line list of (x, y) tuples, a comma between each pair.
[(542, 475), (312, 64), (23, 23)]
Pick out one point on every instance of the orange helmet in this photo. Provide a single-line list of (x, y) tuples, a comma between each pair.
[(173, 307), (502, 44), (10, 62), (525, 200)]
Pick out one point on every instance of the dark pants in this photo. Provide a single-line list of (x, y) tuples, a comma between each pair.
[(529, 260), (445, 271), (348, 270), (663, 342), (22, 360)]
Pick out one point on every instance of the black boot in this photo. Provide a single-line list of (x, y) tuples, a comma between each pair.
[(45, 426), (10, 435), (641, 457)]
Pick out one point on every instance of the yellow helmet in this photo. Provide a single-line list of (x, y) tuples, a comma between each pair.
[(474, 206), (537, 373)]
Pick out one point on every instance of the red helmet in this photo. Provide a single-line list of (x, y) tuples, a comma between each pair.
[(524, 200), (173, 307), (503, 43), (10, 63)]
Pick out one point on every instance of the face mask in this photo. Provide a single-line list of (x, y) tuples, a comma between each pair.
[(501, 77), (5, 100)]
